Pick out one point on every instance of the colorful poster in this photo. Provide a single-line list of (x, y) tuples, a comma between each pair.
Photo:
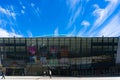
[(32, 54), (32, 50), (53, 62), (64, 52), (43, 60), (32, 59), (53, 51), (43, 51), (64, 61)]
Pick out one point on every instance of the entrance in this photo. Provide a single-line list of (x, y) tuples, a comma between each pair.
[(14, 71)]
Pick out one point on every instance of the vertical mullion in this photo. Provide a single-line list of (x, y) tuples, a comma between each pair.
[(14, 47), (36, 48)]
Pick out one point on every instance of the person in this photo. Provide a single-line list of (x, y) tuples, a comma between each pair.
[(50, 73), (44, 73), (23, 73), (3, 75)]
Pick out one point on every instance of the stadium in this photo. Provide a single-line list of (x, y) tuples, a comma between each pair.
[(64, 56)]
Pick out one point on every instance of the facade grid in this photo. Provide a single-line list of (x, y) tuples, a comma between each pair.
[(65, 56)]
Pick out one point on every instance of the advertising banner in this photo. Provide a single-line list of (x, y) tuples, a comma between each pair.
[(32, 50), (64, 61), (43, 51), (32, 54), (32, 59), (53, 52), (43, 60), (53, 62), (64, 51)]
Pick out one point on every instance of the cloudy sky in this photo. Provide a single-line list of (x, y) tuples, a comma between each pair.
[(84, 18)]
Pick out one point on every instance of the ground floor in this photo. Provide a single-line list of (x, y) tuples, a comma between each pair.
[(62, 71), (58, 78)]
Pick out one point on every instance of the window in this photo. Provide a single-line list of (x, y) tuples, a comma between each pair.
[(1, 40), (56, 41), (17, 40), (61, 41), (11, 49), (11, 40), (20, 48), (6, 40), (22, 40)]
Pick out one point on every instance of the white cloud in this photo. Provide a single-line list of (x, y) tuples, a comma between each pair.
[(32, 4), (22, 11), (20, 2), (96, 6), (103, 14), (73, 17), (8, 33), (29, 34), (72, 3), (85, 23), (112, 28), (56, 32), (100, 14), (74, 9), (9, 17), (36, 10), (82, 32), (8, 12), (5, 33), (23, 7), (3, 23), (72, 33)]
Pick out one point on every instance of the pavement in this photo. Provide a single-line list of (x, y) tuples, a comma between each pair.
[(57, 78)]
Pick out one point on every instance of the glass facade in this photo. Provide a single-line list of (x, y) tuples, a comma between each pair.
[(65, 56)]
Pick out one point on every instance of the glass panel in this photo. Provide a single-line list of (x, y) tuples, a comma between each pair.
[(45, 41), (100, 39), (22, 40), (105, 39), (61, 41), (28, 40), (78, 41), (50, 41), (33, 42), (11, 40), (84, 46), (67, 41), (110, 39), (20, 48), (17, 40), (6, 40), (11, 49), (7, 49), (116, 40), (56, 41), (1, 40), (115, 48), (94, 39), (73, 44)]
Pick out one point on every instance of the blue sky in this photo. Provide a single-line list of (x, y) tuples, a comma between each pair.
[(82, 18)]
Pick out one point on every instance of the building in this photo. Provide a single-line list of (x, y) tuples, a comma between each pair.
[(65, 56)]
